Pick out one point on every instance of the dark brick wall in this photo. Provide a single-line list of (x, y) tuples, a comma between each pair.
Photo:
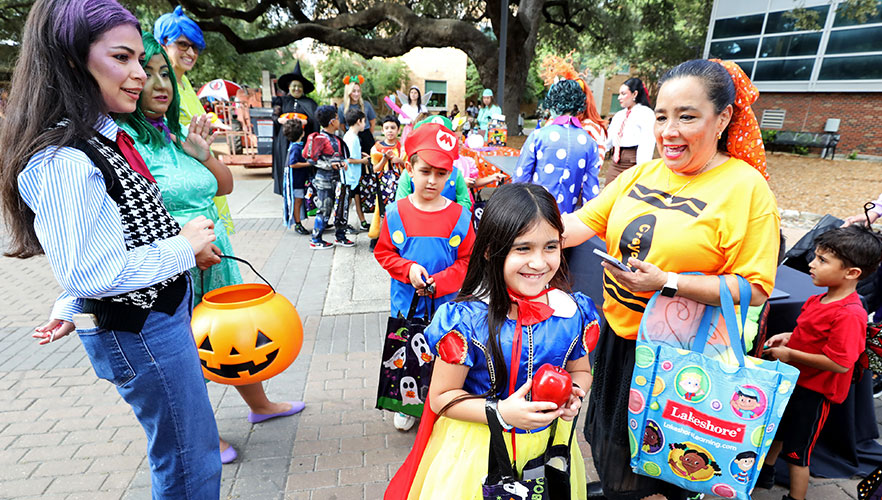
[(860, 126)]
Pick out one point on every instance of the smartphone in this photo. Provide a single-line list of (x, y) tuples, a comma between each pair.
[(612, 260)]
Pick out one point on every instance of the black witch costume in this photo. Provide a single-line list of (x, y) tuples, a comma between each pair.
[(288, 104)]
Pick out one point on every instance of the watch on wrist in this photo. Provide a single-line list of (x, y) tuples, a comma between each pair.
[(492, 405), (670, 288)]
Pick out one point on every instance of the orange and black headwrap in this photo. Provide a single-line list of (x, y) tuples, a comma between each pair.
[(744, 139)]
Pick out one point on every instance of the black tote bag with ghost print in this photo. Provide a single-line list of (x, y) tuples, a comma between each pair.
[(406, 365)]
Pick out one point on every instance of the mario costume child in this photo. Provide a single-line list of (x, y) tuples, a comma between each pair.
[(440, 241)]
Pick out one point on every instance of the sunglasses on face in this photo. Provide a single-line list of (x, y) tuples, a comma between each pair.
[(186, 46)]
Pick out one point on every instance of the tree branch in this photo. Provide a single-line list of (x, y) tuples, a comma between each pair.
[(415, 31), (206, 10)]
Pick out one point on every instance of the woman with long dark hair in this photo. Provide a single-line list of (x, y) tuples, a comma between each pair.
[(75, 189), (630, 131), (704, 207)]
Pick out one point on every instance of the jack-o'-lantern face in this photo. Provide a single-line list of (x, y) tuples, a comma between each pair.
[(245, 334)]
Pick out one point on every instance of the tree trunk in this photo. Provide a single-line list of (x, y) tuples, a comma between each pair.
[(520, 50)]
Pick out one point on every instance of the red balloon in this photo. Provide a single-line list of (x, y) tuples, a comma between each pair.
[(552, 383)]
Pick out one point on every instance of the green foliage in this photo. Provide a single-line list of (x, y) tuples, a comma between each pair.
[(649, 36), (852, 155), (382, 76), (860, 10), (801, 150), (220, 59), (768, 136), (804, 19)]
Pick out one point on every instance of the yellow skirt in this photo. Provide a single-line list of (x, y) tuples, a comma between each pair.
[(454, 463)]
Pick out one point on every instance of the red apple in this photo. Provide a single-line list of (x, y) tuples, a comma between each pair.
[(552, 383)]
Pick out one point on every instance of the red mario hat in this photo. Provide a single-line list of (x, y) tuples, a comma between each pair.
[(436, 144)]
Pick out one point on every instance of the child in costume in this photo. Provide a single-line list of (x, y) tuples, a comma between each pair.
[(830, 335), (455, 188), (387, 157), (325, 151), (355, 121), (296, 175), (425, 240), (512, 315)]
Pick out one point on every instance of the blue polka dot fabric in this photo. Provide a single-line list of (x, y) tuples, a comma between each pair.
[(564, 160)]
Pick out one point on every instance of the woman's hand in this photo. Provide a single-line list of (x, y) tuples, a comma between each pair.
[(199, 232), (645, 278), (199, 138), (282, 120), (209, 256), (528, 415), (860, 219), (52, 331)]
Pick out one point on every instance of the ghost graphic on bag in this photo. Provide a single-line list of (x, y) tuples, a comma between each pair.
[(397, 359), (409, 394), (421, 348), (519, 491)]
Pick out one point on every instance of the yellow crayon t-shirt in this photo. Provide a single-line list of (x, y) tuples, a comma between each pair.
[(723, 221)]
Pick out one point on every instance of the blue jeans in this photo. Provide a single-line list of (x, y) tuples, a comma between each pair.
[(157, 372)]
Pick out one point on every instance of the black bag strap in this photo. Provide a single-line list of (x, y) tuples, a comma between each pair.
[(430, 311), (499, 465)]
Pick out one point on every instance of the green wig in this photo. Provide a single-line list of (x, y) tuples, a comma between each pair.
[(146, 133)]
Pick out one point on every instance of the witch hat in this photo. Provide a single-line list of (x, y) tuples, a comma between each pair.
[(285, 80)]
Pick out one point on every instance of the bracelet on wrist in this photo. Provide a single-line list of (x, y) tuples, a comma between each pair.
[(493, 405)]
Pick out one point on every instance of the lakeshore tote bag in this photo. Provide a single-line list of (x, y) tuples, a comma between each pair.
[(406, 367), (701, 414)]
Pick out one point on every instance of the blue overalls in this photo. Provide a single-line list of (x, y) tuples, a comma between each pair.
[(435, 253)]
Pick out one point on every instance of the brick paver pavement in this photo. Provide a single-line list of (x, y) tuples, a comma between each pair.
[(64, 434)]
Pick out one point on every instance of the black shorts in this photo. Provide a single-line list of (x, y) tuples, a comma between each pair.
[(801, 425)]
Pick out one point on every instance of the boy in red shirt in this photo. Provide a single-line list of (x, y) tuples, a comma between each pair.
[(425, 239), (829, 337)]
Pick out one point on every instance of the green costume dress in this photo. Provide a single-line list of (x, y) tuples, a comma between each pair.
[(188, 189)]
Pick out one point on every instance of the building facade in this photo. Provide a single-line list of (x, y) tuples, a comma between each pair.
[(812, 62)]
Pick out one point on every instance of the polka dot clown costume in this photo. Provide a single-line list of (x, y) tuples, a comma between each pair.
[(561, 156)]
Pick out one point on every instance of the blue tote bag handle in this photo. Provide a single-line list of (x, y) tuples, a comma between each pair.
[(727, 308)]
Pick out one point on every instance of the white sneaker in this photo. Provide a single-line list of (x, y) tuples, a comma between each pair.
[(403, 422)]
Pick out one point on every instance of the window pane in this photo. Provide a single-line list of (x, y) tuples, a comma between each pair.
[(738, 26), (746, 66), (436, 86), (779, 23), (842, 20), (851, 68), (856, 40), (614, 104), (732, 49), (792, 45), (793, 69)]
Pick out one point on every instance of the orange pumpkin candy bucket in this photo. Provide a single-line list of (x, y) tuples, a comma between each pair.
[(246, 333)]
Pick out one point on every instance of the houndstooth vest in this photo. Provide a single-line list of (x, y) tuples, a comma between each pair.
[(143, 216)]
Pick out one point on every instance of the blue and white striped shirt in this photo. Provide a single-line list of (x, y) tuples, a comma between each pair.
[(79, 228)]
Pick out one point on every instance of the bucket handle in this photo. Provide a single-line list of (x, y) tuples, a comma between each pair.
[(252, 268)]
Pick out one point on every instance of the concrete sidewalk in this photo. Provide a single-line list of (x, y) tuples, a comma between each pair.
[(64, 434)]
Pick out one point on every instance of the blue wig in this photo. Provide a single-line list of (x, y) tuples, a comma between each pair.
[(169, 27)]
